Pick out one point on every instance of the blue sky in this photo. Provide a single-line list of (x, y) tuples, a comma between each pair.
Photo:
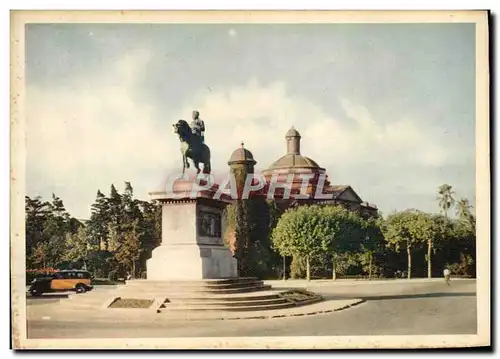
[(386, 108)]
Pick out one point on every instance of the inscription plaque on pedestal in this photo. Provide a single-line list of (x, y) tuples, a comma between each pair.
[(209, 224)]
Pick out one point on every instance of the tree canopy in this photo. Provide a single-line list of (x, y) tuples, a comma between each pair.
[(320, 240), (120, 234)]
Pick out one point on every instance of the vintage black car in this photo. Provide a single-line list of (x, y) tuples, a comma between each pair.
[(79, 281)]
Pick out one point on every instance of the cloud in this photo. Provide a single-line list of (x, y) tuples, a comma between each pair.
[(91, 133), (260, 115), (98, 130), (404, 141)]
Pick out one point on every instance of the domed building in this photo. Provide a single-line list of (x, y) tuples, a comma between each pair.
[(241, 163), (242, 156), (295, 168)]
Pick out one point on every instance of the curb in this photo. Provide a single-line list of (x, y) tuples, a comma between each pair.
[(190, 316)]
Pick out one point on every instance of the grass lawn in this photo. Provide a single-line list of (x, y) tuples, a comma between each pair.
[(131, 303), (298, 296)]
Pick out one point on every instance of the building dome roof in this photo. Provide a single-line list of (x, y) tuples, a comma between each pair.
[(241, 155), (292, 132), (293, 161)]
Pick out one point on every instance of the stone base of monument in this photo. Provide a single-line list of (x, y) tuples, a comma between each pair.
[(192, 269), (192, 247), (228, 295), (191, 262)]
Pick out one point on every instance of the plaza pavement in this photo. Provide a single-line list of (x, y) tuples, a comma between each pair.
[(394, 307)]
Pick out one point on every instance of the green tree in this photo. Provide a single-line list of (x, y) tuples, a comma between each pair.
[(40, 255), (446, 201), (261, 258), (74, 225), (115, 207), (464, 212), (47, 225), (59, 212), (247, 234), (234, 233), (303, 232), (346, 233), (112, 220), (372, 242), (55, 229), (132, 222), (129, 205), (275, 213), (100, 263), (149, 227), (400, 232), (445, 197), (97, 226), (114, 238), (425, 229), (36, 215), (77, 246), (463, 209), (464, 235), (129, 250)]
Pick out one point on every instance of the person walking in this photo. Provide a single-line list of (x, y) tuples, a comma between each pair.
[(447, 274)]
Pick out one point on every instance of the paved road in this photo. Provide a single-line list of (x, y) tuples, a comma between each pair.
[(390, 308), (56, 297)]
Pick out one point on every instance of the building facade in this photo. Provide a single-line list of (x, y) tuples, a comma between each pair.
[(294, 168)]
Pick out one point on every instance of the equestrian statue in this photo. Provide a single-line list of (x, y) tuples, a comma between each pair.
[(193, 143)]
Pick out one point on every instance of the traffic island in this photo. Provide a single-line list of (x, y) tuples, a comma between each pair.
[(54, 311)]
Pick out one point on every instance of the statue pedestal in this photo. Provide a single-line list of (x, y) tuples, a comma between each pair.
[(192, 246)]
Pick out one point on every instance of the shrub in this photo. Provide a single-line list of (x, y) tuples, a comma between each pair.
[(143, 275), (99, 273), (465, 268)]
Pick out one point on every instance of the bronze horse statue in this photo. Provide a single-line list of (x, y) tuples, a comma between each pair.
[(192, 147)]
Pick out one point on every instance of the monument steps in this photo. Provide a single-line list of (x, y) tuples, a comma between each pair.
[(237, 297), (212, 302), (226, 308), (253, 297), (96, 298), (209, 285), (254, 293), (186, 290), (203, 282)]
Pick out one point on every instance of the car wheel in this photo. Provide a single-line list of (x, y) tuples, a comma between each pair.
[(80, 288), (35, 293)]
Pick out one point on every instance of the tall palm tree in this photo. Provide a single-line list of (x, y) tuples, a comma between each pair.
[(446, 201), (464, 209), (464, 212), (445, 197)]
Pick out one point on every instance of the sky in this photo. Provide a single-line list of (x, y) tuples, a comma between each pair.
[(386, 108)]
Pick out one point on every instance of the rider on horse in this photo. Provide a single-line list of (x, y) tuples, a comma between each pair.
[(192, 143), (198, 126)]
